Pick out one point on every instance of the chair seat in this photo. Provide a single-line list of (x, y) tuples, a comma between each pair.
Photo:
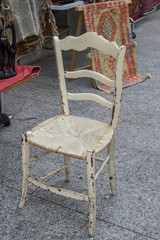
[(71, 135)]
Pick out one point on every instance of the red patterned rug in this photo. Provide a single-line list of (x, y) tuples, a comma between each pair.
[(111, 20), (148, 4), (136, 9)]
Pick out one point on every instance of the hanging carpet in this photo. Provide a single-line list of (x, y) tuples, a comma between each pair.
[(34, 21), (148, 4), (136, 9), (111, 20)]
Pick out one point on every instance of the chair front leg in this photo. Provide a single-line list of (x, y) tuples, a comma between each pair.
[(111, 167), (25, 168), (91, 190), (68, 168)]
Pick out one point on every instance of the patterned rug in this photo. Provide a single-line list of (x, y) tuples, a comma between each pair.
[(136, 9), (111, 20), (148, 4)]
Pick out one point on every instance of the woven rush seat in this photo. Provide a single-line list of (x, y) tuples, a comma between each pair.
[(71, 135)]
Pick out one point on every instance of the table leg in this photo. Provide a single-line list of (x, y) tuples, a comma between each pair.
[(78, 32)]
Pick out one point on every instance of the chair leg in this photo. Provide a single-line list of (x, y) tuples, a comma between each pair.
[(111, 167), (25, 168), (68, 168), (91, 190)]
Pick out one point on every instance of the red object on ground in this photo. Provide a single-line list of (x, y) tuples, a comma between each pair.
[(24, 73)]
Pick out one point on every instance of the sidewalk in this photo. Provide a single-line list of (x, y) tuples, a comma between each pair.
[(134, 214)]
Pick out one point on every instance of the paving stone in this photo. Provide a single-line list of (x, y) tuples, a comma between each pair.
[(148, 176), (11, 166), (78, 183), (38, 219), (135, 95), (143, 136), (26, 120), (14, 105), (35, 90), (128, 161), (107, 231), (134, 208)]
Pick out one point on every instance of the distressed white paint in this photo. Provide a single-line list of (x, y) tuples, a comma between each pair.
[(90, 74), (99, 159), (87, 40), (60, 191), (90, 159), (60, 70), (90, 97), (111, 167), (102, 166), (45, 153), (118, 87), (25, 168), (74, 136), (68, 168), (52, 173), (71, 135)]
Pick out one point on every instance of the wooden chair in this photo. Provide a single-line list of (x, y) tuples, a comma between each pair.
[(74, 136)]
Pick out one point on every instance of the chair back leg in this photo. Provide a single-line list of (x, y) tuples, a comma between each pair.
[(25, 168), (91, 190), (68, 168), (111, 167)]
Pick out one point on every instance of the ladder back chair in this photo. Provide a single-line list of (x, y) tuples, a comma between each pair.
[(74, 136)]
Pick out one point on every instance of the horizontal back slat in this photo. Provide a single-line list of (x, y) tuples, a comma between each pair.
[(91, 40), (90, 74), (87, 40), (90, 97)]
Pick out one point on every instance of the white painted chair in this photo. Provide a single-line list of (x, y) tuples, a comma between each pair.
[(74, 136)]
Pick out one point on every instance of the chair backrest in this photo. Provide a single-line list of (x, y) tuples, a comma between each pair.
[(90, 40)]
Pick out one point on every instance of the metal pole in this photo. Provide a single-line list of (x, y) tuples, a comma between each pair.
[(1, 104)]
